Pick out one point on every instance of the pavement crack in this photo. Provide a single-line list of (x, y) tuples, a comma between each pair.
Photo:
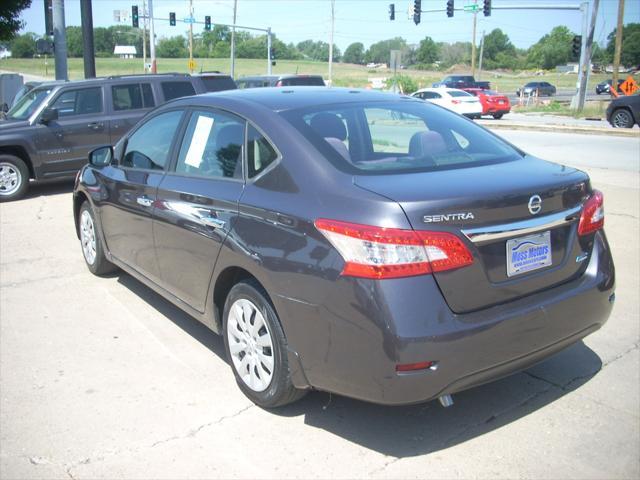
[(194, 431), (628, 215)]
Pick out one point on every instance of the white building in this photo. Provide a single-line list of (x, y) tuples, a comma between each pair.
[(125, 51)]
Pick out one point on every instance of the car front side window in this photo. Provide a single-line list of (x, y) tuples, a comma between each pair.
[(83, 101), (148, 147)]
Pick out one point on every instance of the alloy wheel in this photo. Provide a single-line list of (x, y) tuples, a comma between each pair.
[(88, 237), (250, 345), (621, 119), (10, 178)]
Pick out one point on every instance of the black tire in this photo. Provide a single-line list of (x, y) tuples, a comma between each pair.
[(98, 265), (622, 118), (280, 390), (498, 116), (14, 178)]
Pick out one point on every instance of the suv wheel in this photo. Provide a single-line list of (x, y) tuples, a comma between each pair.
[(256, 347), (92, 249), (622, 118), (14, 178)]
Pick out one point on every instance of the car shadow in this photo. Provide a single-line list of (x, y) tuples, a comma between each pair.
[(52, 188), (425, 428)]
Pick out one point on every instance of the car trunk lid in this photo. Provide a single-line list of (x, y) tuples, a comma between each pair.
[(489, 208)]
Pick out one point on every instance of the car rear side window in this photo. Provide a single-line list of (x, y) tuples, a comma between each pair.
[(148, 147), (212, 146), (459, 93), (172, 90), (216, 84), (260, 152), (84, 101), (302, 81), (132, 96)]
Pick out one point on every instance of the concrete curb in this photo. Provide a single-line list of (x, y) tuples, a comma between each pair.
[(615, 132)]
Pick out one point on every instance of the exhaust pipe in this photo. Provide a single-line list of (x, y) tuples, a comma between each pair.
[(446, 400)]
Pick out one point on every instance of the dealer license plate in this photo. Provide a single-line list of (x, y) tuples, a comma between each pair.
[(528, 253)]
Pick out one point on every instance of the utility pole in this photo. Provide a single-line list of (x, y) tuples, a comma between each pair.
[(233, 39), (269, 51), (191, 36), (331, 42), (152, 39), (586, 66), (88, 51), (60, 40), (144, 36), (473, 42), (616, 54), (481, 55)]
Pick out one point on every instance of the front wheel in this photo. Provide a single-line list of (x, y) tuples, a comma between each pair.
[(256, 347), (622, 118), (14, 178), (92, 248)]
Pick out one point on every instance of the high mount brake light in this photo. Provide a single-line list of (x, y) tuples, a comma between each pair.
[(378, 253), (592, 216)]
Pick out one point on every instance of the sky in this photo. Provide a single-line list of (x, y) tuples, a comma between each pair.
[(365, 21)]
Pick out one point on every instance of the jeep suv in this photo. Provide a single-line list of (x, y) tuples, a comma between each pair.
[(49, 132)]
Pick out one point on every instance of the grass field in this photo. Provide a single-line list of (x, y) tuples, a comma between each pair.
[(347, 75)]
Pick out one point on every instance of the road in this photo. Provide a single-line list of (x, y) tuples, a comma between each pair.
[(102, 378)]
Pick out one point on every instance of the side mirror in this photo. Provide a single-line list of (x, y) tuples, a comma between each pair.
[(48, 115), (5, 108), (101, 156)]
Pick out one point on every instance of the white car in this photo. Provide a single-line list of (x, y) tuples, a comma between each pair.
[(456, 100)]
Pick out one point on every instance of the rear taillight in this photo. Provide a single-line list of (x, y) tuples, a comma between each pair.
[(376, 252), (592, 217)]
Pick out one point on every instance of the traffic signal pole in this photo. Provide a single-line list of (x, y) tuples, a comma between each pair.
[(60, 40), (191, 37), (152, 39), (473, 41), (618, 48), (88, 52)]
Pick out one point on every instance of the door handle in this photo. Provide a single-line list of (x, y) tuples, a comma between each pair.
[(144, 201), (95, 125)]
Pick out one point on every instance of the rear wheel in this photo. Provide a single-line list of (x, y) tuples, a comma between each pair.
[(622, 118), (256, 347), (498, 116), (92, 248), (14, 178)]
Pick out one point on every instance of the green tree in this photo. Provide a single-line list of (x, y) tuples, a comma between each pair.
[(74, 41), (10, 21), (630, 53), (380, 52), (499, 52), (428, 51), (173, 47), (354, 53), (552, 49), (24, 46), (455, 53), (318, 50)]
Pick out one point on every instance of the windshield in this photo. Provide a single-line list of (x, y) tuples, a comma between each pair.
[(398, 137), (28, 104)]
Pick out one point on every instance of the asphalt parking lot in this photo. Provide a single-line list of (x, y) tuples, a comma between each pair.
[(102, 378)]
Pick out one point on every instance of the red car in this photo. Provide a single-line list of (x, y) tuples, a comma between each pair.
[(493, 103)]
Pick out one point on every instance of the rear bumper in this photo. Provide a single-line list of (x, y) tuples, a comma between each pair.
[(352, 342)]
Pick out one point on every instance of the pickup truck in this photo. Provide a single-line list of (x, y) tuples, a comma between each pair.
[(461, 82)]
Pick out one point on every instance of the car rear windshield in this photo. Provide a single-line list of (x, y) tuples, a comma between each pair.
[(301, 82), (459, 93), (397, 137), (216, 84)]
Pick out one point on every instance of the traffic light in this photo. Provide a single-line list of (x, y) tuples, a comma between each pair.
[(392, 11), (134, 16), (272, 56), (576, 45), (207, 23), (487, 8), (449, 8), (48, 17), (172, 19), (417, 8)]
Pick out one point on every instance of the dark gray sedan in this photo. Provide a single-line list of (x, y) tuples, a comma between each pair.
[(537, 88), (362, 243)]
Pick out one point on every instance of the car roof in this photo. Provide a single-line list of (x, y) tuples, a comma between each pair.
[(439, 90), (290, 98), (91, 81), (278, 77)]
